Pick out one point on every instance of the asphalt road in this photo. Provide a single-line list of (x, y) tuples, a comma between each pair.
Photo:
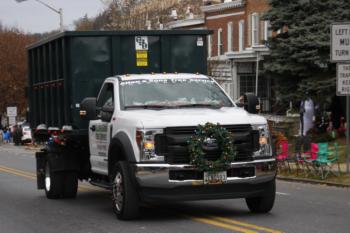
[(23, 209)]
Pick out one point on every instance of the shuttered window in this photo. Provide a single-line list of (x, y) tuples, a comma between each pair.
[(267, 30), (255, 29), (209, 45), (241, 35), (249, 31), (220, 42), (229, 36)]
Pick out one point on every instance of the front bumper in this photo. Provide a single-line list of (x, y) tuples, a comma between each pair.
[(155, 182)]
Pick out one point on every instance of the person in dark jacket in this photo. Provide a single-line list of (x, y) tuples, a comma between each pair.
[(337, 112)]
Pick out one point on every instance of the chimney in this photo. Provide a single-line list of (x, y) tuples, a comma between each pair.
[(173, 14), (189, 13)]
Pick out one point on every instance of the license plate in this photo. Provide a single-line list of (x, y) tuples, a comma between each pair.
[(215, 177)]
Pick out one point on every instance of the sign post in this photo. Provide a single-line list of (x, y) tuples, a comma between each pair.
[(340, 52), (11, 111), (11, 114), (347, 133)]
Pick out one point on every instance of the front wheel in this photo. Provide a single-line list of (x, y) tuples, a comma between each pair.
[(265, 202), (125, 198)]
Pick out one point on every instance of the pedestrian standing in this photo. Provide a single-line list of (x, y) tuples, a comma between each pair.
[(306, 114), (15, 135), (1, 136), (6, 136)]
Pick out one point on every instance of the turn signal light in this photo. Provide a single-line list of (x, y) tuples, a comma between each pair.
[(263, 140), (148, 145)]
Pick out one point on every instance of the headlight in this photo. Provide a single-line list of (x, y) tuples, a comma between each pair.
[(264, 141), (146, 143)]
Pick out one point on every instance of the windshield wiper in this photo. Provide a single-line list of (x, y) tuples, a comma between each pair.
[(147, 106), (215, 106)]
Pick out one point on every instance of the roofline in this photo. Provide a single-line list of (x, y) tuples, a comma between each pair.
[(120, 33), (185, 23), (223, 6)]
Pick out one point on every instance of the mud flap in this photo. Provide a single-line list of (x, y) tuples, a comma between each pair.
[(40, 169)]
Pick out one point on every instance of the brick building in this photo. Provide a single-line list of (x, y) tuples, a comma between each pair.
[(237, 48)]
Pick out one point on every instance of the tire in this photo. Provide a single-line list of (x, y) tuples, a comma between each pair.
[(124, 195), (70, 187), (53, 183), (265, 202)]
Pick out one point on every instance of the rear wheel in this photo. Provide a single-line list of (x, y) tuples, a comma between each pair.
[(70, 187), (53, 183), (125, 198), (265, 202), (60, 184)]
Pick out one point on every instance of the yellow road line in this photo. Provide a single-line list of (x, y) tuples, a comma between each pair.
[(222, 225), (220, 222), (20, 171), (88, 188), (228, 220), (32, 176), (17, 173)]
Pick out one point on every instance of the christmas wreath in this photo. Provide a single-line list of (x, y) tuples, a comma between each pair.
[(212, 133)]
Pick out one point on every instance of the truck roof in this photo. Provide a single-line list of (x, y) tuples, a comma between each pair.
[(129, 77)]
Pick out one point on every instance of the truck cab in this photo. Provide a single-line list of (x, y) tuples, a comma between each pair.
[(139, 134)]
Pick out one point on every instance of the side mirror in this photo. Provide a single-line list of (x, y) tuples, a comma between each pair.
[(88, 109), (251, 103), (107, 113)]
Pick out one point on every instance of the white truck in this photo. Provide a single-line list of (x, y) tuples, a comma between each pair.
[(139, 140), (135, 138)]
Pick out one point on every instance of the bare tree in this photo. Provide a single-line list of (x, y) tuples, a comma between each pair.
[(134, 14), (13, 68)]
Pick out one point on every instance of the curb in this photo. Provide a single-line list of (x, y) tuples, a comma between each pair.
[(310, 181)]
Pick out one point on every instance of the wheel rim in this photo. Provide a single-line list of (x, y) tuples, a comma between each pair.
[(47, 177), (118, 191)]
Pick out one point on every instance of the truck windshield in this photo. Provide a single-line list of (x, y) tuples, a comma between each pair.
[(172, 93)]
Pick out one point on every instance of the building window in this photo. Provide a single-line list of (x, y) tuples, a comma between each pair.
[(255, 29), (241, 35), (267, 30), (209, 45), (220, 41), (247, 84), (229, 36)]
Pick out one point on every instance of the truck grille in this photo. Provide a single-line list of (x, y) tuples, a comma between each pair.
[(173, 143)]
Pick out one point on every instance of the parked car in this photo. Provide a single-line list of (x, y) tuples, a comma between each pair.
[(26, 134)]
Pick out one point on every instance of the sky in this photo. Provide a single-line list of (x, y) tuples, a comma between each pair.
[(32, 17)]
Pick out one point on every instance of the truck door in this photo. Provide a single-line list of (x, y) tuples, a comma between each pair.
[(100, 130)]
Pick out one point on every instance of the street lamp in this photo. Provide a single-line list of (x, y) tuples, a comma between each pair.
[(59, 11)]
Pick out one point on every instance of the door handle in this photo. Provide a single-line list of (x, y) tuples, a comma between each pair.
[(93, 128)]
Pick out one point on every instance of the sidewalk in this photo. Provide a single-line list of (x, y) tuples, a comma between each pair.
[(308, 177), (335, 167)]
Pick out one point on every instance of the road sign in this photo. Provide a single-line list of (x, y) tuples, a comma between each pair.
[(343, 79), (340, 42), (340, 52), (11, 111), (12, 120)]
